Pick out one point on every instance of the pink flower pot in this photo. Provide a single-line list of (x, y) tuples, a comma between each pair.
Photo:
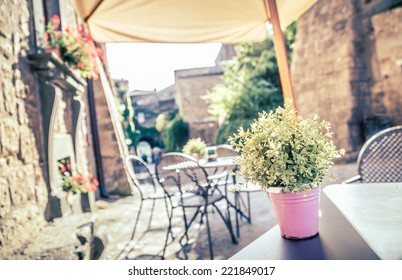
[(297, 213)]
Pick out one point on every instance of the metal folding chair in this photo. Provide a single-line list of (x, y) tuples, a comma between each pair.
[(148, 189), (380, 159), (196, 190)]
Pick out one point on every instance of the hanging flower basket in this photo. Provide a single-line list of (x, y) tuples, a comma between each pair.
[(77, 47)]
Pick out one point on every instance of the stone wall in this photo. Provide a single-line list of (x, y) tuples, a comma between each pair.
[(334, 63), (111, 138), (386, 62), (23, 192), (28, 193), (191, 85)]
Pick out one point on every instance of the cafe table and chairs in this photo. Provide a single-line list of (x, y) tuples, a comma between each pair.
[(195, 190), (226, 162)]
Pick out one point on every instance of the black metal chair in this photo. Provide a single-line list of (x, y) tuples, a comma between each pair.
[(244, 208), (148, 189), (197, 190), (380, 159)]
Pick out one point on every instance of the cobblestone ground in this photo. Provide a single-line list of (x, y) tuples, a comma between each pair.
[(116, 221)]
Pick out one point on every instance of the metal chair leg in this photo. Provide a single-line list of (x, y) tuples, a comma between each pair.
[(211, 253), (228, 224), (169, 231), (136, 222), (169, 219), (150, 216), (237, 209), (249, 208)]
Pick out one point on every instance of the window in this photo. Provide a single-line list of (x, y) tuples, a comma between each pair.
[(39, 20)]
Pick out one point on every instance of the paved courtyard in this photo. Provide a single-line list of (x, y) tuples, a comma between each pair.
[(113, 223)]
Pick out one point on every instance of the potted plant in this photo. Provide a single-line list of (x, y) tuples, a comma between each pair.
[(289, 157), (75, 182), (195, 147)]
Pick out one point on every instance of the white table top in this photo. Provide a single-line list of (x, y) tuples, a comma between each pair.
[(220, 162), (375, 212)]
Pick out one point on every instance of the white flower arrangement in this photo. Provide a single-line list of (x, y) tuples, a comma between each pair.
[(194, 146)]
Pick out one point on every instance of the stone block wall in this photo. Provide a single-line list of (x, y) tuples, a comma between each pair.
[(386, 59), (341, 48), (23, 192), (191, 85), (111, 138)]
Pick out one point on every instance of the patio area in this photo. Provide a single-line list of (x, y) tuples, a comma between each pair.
[(115, 221)]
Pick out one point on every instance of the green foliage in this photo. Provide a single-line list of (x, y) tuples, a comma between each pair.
[(194, 146), (290, 37), (160, 122), (127, 115), (228, 128), (283, 150), (163, 119), (251, 85), (150, 131), (175, 134)]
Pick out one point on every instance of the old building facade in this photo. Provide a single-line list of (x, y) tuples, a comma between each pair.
[(45, 116), (347, 67), (191, 85)]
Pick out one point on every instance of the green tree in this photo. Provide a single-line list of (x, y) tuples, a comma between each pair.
[(127, 115), (251, 85), (175, 134)]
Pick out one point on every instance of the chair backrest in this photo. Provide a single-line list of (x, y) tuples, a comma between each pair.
[(225, 151), (140, 173), (181, 172), (380, 159)]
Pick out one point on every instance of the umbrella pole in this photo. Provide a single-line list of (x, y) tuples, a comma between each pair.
[(280, 49)]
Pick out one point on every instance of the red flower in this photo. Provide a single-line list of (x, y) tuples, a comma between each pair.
[(80, 65), (92, 187), (68, 166), (78, 48), (95, 76), (95, 182), (62, 169), (55, 20)]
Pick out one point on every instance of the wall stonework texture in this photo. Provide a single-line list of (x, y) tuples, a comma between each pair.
[(191, 85), (23, 192), (111, 137), (28, 195), (387, 61), (341, 48)]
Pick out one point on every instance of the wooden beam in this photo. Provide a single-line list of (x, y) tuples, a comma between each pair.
[(280, 48)]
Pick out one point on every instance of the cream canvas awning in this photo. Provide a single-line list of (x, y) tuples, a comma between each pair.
[(194, 21), (184, 21)]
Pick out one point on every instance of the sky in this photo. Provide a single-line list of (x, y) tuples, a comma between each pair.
[(149, 66)]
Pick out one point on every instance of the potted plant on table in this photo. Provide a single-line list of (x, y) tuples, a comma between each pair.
[(289, 157), (195, 147)]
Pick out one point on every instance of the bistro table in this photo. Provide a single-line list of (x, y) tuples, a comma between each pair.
[(357, 221), (215, 168)]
